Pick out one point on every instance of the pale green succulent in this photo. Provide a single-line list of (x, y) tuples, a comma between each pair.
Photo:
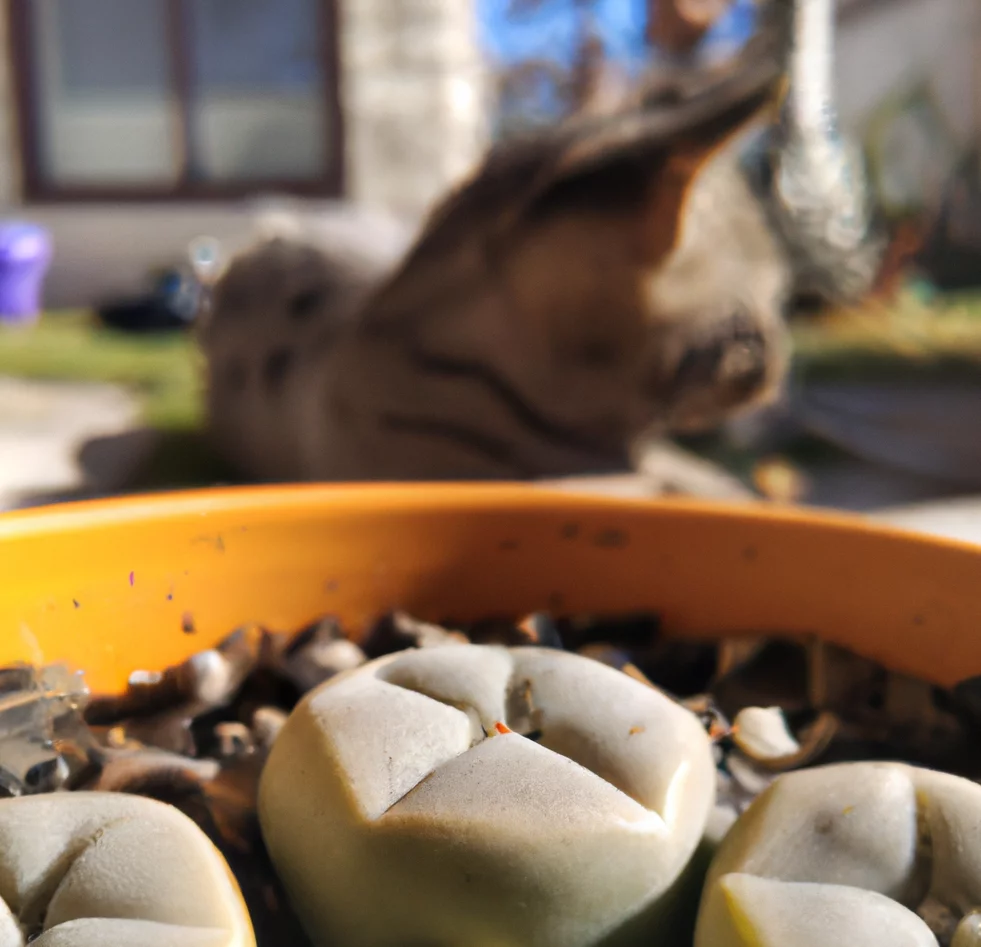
[(484, 796), (847, 854), (95, 869)]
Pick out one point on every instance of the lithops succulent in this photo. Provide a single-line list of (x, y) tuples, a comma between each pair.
[(482, 795), (99, 869), (857, 853)]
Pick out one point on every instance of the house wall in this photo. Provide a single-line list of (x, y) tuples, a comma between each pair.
[(414, 113), (413, 97), (107, 251), (412, 89)]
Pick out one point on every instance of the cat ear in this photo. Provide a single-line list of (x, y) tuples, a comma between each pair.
[(680, 124), (672, 131)]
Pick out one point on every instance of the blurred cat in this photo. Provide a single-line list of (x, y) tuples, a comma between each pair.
[(622, 276)]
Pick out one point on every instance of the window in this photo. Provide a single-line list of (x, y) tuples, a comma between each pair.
[(176, 98)]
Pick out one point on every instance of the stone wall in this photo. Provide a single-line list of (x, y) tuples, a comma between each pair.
[(413, 96)]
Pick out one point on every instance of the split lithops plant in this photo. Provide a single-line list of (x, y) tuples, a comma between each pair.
[(489, 783), (495, 795), (856, 853), (113, 870)]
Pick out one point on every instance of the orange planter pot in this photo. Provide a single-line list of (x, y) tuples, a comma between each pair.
[(141, 583)]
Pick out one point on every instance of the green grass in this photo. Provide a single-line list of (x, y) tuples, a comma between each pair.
[(908, 340), (163, 370)]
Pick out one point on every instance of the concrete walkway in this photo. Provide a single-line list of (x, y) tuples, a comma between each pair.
[(43, 426)]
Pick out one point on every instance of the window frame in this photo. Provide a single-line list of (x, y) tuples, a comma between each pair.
[(36, 189)]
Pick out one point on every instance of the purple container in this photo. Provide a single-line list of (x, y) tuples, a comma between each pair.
[(25, 252)]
